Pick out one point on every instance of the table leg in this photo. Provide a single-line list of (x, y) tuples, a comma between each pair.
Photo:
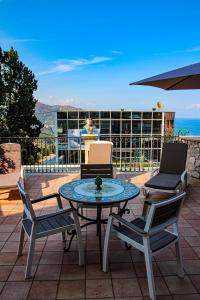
[(99, 232)]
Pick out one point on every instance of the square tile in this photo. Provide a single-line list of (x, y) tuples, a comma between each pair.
[(101, 288), (122, 270), (13, 291), (178, 285), (126, 287), (43, 290), (72, 272), (48, 272), (71, 289), (93, 271), (160, 285)]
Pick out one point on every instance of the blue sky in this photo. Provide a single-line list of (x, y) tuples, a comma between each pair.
[(86, 52)]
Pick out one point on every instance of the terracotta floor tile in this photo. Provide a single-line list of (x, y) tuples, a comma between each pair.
[(101, 288), (13, 291), (7, 259), (187, 297), (120, 256), (196, 281), (126, 287), (93, 271), (18, 273), (193, 240), (178, 285), (10, 247), (168, 268), (192, 266), (4, 236), (22, 260), (43, 290), (197, 251), (48, 272), (161, 288), (51, 258), (140, 269), (1, 286), (5, 272), (54, 245), (71, 289), (72, 272), (122, 270)]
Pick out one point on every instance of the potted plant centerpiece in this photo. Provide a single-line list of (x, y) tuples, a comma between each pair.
[(98, 182)]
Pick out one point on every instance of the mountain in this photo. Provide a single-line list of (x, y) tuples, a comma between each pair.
[(47, 115), (41, 107)]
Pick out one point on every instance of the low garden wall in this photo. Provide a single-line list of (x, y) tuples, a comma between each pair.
[(193, 158)]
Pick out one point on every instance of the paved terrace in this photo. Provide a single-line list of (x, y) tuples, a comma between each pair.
[(57, 274)]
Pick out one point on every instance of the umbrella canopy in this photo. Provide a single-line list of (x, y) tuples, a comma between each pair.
[(185, 78)]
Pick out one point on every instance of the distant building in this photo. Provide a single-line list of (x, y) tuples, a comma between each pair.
[(134, 134)]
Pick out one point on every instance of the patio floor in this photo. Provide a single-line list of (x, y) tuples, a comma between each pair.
[(57, 274)]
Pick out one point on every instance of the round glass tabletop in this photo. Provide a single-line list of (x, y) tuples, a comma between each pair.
[(113, 191)]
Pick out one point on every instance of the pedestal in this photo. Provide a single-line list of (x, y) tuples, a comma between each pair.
[(88, 139)]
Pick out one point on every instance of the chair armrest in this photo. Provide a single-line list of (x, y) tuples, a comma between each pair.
[(184, 179), (154, 172), (22, 176), (50, 196), (62, 211), (129, 225)]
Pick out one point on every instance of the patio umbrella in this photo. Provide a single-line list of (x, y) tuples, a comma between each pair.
[(185, 78)]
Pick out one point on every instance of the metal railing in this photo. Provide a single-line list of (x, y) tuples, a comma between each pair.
[(65, 154)]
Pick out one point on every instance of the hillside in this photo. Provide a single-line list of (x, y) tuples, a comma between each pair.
[(47, 115)]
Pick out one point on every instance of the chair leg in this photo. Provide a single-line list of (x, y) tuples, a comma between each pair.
[(149, 269), (21, 242), (64, 237), (106, 244), (179, 260), (79, 240), (30, 257)]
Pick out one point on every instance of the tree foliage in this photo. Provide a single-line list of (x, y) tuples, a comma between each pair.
[(17, 102)]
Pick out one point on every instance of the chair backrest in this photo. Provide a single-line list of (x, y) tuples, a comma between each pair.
[(174, 156), (164, 213), (10, 158), (28, 208), (94, 170), (100, 152)]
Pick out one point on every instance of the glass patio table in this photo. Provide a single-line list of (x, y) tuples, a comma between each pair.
[(83, 192)]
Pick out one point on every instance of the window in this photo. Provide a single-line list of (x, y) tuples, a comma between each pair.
[(61, 115), (157, 127), (105, 114), (83, 114), (157, 115), (94, 114), (126, 127), (62, 127), (136, 115), (105, 127), (72, 115), (115, 114), (73, 124), (147, 115), (126, 115), (136, 127), (146, 127), (115, 127)]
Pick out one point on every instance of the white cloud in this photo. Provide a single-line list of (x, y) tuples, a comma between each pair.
[(118, 52), (194, 49), (195, 105), (68, 65), (25, 40)]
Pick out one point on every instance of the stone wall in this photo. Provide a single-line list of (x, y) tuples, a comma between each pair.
[(193, 158)]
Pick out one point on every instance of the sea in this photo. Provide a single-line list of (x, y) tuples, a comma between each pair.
[(188, 124)]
